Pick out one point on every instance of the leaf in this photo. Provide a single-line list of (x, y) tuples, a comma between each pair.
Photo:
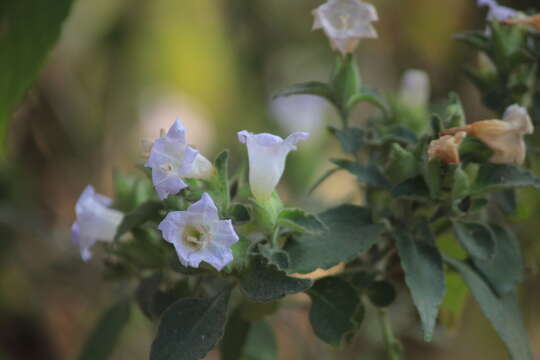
[(369, 175), (106, 333), (131, 191), (263, 282), (381, 293), (505, 270), (398, 133), (299, 220), (370, 96), (402, 164), (153, 301), (461, 183), (424, 274), (308, 88), (350, 232), (433, 175), (240, 213), (351, 139), (220, 183), (139, 216), (28, 30), (455, 115), (261, 343), (495, 177), (503, 312), (275, 257), (476, 238), (240, 251), (190, 328), (334, 305), (414, 188), (236, 332)]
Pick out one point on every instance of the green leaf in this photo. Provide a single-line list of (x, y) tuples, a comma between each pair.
[(153, 300), (299, 220), (402, 164), (424, 273), (398, 133), (505, 270), (190, 328), (240, 213), (240, 254), (366, 174), (371, 96), (495, 177), (461, 183), (476, 238), (415, 189), (106, 333), (381, 293), (350, 232), (351, 139), (433, 175), (275, 257), (309, 88), (334, 305), (261, 343), (263, 282), (147, 211), (236, 333), (455, 115), (474, 150), (28, 30), (220, 183), (131, 191), (503, 312), (475, 39)]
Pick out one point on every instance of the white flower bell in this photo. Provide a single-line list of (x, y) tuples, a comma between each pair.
[(267, 154)]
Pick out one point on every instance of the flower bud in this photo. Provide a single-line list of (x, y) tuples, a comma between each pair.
[(345, 22), (446, 148), (533, 21)]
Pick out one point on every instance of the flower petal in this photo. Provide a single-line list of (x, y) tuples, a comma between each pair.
[(224, 233), (205, 209)]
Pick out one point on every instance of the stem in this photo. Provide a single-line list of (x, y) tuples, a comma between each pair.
[(393, 347), (275, 234)]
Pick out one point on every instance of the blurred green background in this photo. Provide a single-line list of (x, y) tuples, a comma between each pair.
[(124, 69)]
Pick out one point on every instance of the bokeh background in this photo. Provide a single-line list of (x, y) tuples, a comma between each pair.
[(123, 69)]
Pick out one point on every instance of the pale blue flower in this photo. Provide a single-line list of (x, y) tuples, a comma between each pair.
[(267, 154), (171, 159), (496, 11), (94, 221), (199, 235), (345, 22)]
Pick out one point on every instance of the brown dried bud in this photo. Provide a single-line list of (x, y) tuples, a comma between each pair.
[(533, 21), (446, 148)]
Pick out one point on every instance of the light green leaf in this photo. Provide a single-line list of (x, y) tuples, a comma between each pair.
[(350, 232), (402, 164), (106, 333), (263, 282), (334, 305), (461, 183), (190, 328), (503, 312), (424, 273), (28, 30), (476, 238)]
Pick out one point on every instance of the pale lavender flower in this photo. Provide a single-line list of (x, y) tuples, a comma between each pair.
[(267, 154), (415, 89), (496, 11), (345, 22), (171, 159), (95, 221), (199, 235)]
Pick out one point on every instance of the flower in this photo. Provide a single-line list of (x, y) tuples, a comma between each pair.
[(496, 11), (504, 137), (267, 154), (300, 113), (171, 159), (446, 148), (199, 235), (94, 221), (533, 21), (415, 88), (345, 22)]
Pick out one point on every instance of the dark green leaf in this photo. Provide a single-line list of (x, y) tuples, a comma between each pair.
[(153, 300), (503, 312), (476, 238), (299, 220), (505, 270), (263, 282), (474, 150), (240, 213), (476, 39), (309, 88), (147, 211), (276, 257), (436, 125), (261, 343), (506, 199), (414, 188), (334, 305), (351, 139), (28, 30), (424, 274), (400, 134), (495, 176), (236, 333), (366, 174), (350, 232), (106, 333), (381, 293), (190, 328)]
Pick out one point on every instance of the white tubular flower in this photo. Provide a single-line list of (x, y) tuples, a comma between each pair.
[(415, 88), (446, 148), (95, 221), (496, 11), (504, 137), (267, 154), (171, 159), (345, 22)]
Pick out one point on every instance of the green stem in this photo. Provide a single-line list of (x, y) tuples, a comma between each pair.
[(393, 347), (275, 234)]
